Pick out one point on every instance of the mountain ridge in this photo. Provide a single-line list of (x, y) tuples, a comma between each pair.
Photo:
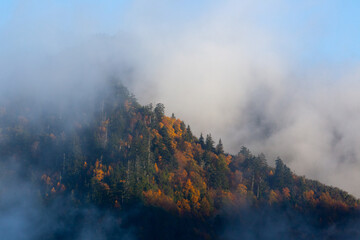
[(116, 155)]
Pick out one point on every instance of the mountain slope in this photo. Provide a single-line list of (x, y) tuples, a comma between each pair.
[(153, 175)]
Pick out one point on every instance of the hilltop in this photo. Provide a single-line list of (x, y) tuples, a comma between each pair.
[(153, 176)]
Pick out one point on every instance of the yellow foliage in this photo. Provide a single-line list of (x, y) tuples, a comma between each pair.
[(98, 171), (99, 174), (157, 198), (274, 197), (173, 127), (192, 194)]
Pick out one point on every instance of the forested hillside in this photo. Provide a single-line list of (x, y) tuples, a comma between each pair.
[(155, 178)]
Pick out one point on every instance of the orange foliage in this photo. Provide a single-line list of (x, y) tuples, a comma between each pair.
[(156, 168), (181, 158), (182, 175), (110, 169), (227, 195), (98, 171), (156, 134), (192, 194), (183, 206), (99, 174), (241, 189), (188, 150), (157, 198), (309, 196), (328, 201), (228, 159), (171, 176), (286, 192)]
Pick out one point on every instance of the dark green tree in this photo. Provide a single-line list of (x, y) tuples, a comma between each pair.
[(220, 147), (159, 111), (209, 143), (283, 175), (201, 141)]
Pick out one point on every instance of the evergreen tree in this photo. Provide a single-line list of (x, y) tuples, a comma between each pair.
[(201, 141), (245, 151), (220, 147), (282, 176), (159, 111), (188, 134), (209, 144)]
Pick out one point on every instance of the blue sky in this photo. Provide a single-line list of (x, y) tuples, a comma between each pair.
[(322, 30)]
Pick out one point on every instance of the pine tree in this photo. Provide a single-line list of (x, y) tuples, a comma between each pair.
[(283, 175), (220, 147), (201, 141), (209, 144), (159, 111), (188, 134)]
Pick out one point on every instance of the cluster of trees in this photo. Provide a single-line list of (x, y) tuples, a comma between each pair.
[(124, 154)]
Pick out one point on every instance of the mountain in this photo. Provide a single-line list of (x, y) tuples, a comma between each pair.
[(107, 167)]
